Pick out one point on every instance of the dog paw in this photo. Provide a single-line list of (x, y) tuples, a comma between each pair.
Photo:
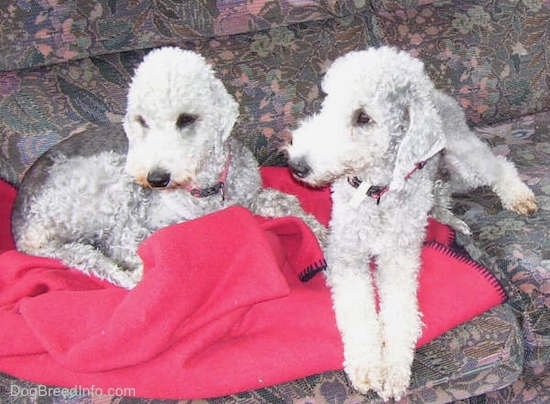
[(125, 279), (462, 227), (525, 205), (364, 378), (459, 225), (517, 197), (396, 381), (446, 216)]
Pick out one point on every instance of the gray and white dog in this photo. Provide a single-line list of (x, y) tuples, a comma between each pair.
[(381, 137), (91, 200)]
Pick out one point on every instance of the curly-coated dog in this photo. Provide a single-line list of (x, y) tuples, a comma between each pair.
[(90, 206), (381, 137)]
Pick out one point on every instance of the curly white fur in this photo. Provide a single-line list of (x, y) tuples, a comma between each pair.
[(93, 211), (381, 116)]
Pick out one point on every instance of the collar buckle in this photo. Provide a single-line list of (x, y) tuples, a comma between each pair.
[(376, 191)]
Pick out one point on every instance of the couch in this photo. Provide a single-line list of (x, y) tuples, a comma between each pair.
[(65, 68)]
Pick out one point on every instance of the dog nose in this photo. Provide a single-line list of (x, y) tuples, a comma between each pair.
[(158, 178), (300, 168)]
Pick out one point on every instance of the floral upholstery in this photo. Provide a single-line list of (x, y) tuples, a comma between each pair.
[(487, 54), (37, 33), (65, 66)]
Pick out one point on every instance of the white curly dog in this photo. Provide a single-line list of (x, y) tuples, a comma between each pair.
[(90, 206), (381, 135)]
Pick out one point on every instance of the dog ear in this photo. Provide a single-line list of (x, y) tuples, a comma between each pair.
[(424, 137), (228, 106)]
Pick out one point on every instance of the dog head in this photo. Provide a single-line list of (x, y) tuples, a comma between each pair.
[(178, 118), (377, 112)]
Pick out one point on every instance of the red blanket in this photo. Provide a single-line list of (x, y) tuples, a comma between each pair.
[(220, 309)]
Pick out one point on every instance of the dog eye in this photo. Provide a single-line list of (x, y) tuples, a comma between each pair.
[(185, 120), (361, 118), (139, 119)]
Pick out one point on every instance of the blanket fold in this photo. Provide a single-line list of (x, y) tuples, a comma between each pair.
[(221, 308)]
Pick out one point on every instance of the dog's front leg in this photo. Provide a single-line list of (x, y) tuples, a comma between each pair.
[(399, 316), (90, 260), (355, 309), (273, 203)]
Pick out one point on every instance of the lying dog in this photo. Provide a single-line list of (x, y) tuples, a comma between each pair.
[(92, 199)]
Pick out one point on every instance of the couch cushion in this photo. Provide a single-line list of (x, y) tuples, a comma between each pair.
[(35, 33), (517, 248), (491, 56)]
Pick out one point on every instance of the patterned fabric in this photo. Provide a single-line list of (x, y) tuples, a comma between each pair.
[(492, 56), (66, 65), (38, 32), (522, 264)]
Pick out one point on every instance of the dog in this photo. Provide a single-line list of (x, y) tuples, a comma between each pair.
[(381, 138), (92, 199)]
